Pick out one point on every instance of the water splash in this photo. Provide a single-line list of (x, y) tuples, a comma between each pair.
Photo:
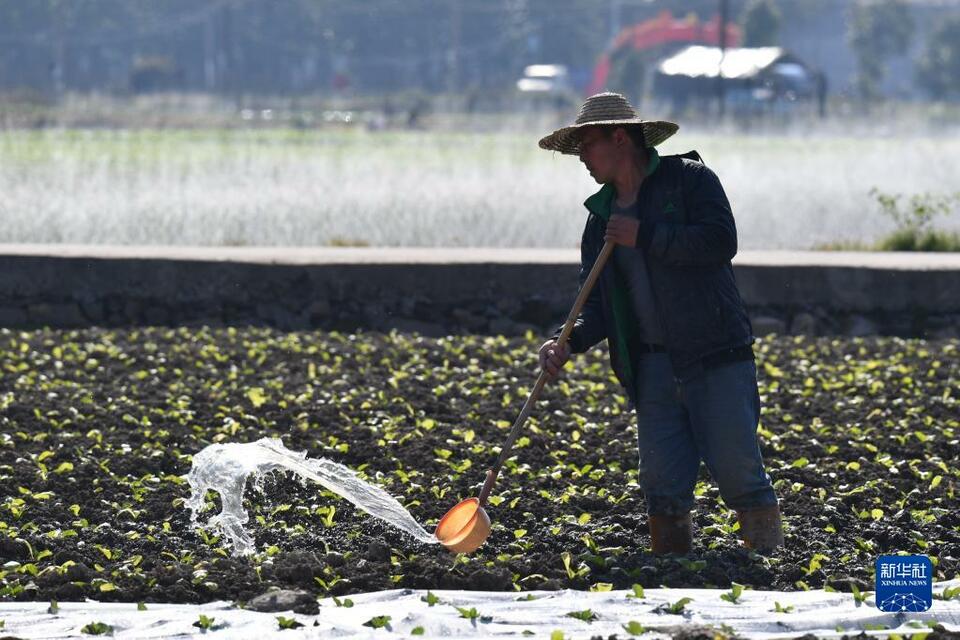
[(225, 468)]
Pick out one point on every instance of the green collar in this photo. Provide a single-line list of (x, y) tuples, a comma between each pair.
[(599, 203)]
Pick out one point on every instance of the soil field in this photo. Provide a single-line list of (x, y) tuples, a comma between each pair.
[(98, 429)]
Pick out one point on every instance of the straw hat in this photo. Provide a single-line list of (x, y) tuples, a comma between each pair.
[(606, 108)]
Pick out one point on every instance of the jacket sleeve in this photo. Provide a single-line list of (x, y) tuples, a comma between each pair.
[(710, 236), (588, 328)]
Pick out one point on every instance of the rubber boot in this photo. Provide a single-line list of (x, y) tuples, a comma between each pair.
[(761, 529), (671, 534)]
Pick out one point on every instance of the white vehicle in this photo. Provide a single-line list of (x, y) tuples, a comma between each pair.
[(544, 78)]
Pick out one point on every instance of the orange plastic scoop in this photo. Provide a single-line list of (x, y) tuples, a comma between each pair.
[(466, 526)]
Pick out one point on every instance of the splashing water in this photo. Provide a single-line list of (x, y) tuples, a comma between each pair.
[(224, 468)]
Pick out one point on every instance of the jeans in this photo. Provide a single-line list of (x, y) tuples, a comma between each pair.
[(712, 416)]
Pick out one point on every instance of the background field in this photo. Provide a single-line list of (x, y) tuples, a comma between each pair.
[(289, 187)]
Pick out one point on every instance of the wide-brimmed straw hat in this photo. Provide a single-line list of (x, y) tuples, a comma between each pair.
[(606, 108)]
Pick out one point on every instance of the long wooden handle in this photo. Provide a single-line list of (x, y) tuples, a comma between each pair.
[(494, 471)]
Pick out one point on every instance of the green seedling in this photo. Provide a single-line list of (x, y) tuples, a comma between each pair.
[(472, 614), (582, 570), (634, 628), (586, 615), (948, 593), (378, 622), (677, 607), (288, 623), (733, 595), (858, 596), (326, 585), (206, 623), (469, 614), (97, 629), (815, 563), (692, 565)]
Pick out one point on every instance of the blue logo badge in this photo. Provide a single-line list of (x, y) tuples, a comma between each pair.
[(904, 583)]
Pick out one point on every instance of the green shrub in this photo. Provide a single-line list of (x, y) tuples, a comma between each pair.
[(913, 219), (916, 240)]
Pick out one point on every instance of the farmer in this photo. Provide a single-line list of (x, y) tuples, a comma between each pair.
[(677, 332)]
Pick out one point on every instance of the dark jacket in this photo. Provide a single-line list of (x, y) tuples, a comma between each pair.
[(688, 238)]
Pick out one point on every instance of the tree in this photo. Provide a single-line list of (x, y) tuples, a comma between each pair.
[(938, 71), (761, 23), (878, 30)]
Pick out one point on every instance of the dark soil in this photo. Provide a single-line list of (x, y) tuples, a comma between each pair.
[(859, 435)]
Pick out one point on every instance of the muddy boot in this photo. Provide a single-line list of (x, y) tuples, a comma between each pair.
[(761, 529), (671, 534)]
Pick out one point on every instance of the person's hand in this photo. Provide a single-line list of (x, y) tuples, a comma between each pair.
[(622, 229), (552, 358)]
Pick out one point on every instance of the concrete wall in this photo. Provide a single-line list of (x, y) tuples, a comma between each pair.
[(447, 290)]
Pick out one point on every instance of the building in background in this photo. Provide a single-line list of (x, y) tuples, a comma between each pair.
[(756, 80), (628, 62)]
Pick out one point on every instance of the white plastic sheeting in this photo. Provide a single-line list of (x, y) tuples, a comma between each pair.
[(817, 612)]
